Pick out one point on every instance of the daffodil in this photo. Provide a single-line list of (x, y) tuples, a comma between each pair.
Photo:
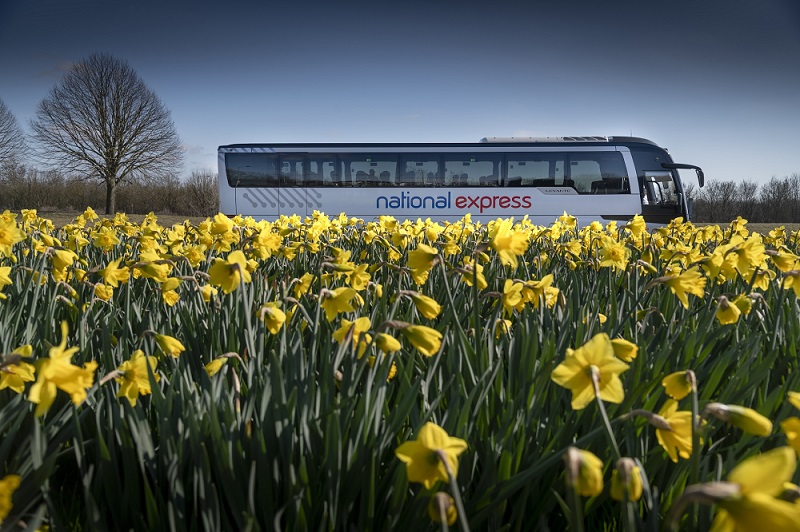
[(791, 427), (427, 306), (614, 254), (425, 339), (594, 361), (424, 456), (626, 481), (8, 485), (14, 373), (676, 436), (584, 472), (113, 274), (624, 349), (512, 297), (337, 301), (273, 317), (134, 379), (387, 343), (442, 509), (10, 234), (753, 506), (103, 292), (56, 372), (727, 312), (228, 274), (170, 345), (354, 328), (213, 367), (679, 384), (745, 418), (508, 242), (687, 282), (794, 399)]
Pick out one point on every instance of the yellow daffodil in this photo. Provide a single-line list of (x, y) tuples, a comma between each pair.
[(135, 380), (228, 274), (508, 242), (103, 292), (794, 399), (471, 271), (56, 372), (387, 343), (584, 472), (727, 312), (624, 349), (626, 481), (273, 317), (14, 373), (10, 234), (594, 360), (745, 418), (614, 254), (427, 306), (8, 485), (426, 340), (355, 328), (676, 436), (502, 327), (113, 274), (302, 285), (754, 507), (169, 345), (213, 367), (687, 282), (208, 292), (678, 385), (392, 370), (337, 301), (424, 456), (791, 427), (442, 509), (512, 296)]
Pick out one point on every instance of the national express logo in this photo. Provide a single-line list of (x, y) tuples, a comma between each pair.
[(406, 200)]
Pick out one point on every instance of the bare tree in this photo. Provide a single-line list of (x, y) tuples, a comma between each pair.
[(102, 122), (12, 140), (747, 199), (201, 193)]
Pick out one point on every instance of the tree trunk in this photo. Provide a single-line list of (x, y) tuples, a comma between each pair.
[(111, 197)]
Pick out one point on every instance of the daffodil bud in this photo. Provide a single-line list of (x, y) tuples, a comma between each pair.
[(745, 418), (626, 481), (442, 508), (584, 472)]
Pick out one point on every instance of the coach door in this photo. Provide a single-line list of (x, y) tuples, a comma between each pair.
[(254, 177)]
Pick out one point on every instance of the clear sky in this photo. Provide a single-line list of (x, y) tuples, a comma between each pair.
[(717, 82)]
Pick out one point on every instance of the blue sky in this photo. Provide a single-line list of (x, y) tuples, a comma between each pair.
[(717, 82)]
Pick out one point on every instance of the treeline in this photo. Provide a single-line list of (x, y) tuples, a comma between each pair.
[(777, 201), (23, 187)]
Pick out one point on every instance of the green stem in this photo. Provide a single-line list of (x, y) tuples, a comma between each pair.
[(603, 413), (462, 515)]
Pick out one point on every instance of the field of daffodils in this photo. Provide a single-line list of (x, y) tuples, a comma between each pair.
[(344, 374)]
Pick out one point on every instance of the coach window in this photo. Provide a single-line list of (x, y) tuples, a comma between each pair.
[(420, 170), (370, 169), (471, 170), (322, 171), (251, 169), (291, 170), (534, 171), (598, 173)]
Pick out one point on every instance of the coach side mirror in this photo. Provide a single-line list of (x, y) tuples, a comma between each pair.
[(678, 166)]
